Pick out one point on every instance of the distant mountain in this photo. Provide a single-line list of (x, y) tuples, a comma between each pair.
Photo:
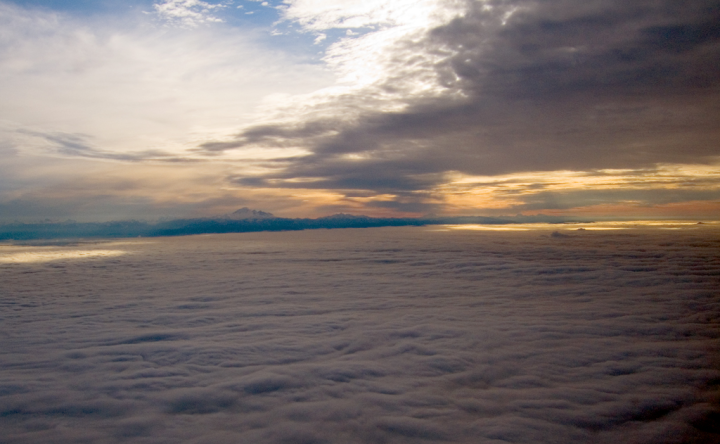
[(344, 216), (246, 213), (241, 221)]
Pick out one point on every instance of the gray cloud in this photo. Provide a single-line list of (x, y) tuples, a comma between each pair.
[(559, 85), (389, 335), (80, 145)]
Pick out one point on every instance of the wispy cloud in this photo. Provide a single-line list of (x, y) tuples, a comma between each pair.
[(79, 145)]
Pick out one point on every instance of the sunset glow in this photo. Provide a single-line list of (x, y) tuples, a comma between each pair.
[(305, 108)]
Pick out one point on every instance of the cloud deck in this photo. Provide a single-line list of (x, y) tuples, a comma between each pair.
[(388, 335)]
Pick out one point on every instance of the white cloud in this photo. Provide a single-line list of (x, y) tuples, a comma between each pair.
[(320, 15), (379, 69), (189, 13), (384, 52)]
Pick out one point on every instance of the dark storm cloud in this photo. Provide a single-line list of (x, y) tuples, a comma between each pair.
[(606, 48), (382, 336), (559, 85)]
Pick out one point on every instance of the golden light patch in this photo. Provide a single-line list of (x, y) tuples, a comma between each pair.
[(478, 227), (24, 257), (595, 226), (465, 194), (698, 210)]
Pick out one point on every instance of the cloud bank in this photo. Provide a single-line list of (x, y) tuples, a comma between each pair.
[(393, 335), (493, 88), (515, 86)]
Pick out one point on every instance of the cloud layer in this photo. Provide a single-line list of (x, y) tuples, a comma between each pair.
[(385, 335)]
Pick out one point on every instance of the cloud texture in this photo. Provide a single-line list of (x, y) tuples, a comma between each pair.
[(497, 87), (398, 335)]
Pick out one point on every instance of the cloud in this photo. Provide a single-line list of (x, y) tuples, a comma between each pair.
[(321, 16), (497, 88), (648, 188), (576, 198), (384, 335), (78, 145), (190, 13)]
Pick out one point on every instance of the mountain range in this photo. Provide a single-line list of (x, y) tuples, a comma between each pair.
[(242, 220)]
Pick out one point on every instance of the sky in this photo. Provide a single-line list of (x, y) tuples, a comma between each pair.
[(305, 108)]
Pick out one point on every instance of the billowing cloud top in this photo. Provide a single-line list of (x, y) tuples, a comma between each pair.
[(603, 107), (394, 335)]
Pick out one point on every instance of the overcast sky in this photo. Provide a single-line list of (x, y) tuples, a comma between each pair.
[(185, 108)]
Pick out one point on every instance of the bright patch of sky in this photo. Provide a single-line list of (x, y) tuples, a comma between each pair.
[(162, 80), (84, 80), (285, 18), (189, 13)]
